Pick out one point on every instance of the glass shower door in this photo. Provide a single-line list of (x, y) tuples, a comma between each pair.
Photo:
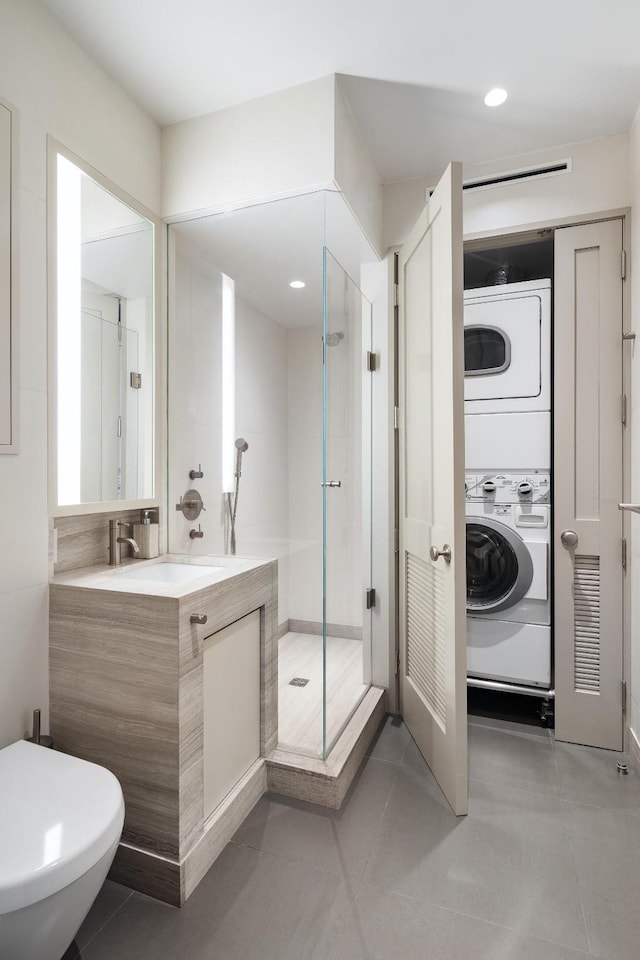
[(346, 490)]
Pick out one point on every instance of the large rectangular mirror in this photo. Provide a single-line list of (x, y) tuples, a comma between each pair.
[(102, 363), (8, 284)]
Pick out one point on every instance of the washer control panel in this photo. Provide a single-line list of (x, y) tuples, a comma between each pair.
[(509, 487)]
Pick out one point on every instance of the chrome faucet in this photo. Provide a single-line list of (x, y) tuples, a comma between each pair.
[(115, 540)]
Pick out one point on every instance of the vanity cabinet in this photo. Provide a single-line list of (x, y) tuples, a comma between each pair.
[(181, 711)]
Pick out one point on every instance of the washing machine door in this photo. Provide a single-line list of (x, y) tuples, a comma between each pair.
[(499, 566)]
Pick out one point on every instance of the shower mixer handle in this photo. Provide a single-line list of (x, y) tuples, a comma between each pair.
[(332, 483)]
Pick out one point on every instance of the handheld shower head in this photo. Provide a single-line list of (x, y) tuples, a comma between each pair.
[(241, 447)]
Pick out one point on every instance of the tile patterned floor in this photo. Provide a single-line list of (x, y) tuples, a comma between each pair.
[(300, 708), (547, 864)]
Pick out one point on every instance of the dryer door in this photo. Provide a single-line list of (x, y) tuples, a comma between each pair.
[(502, 344), (499, 566)]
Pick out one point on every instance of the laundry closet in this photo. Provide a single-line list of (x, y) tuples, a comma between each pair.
[(544, 420)]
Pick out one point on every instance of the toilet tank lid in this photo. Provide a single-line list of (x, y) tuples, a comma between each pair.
[(58, 816)]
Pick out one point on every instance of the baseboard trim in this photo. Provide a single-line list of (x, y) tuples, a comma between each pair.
[(148, 873), (634, 748), (314, 627), (326, 782)]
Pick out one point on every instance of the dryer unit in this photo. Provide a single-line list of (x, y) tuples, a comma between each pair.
[(507, 385), (508, 609)]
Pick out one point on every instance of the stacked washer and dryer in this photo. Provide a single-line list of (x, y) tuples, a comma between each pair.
[(507, 346)]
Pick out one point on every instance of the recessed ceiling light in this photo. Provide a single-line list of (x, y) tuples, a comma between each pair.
[(297, 284), (495, 97)]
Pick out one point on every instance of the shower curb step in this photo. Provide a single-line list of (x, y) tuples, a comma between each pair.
[(325, 782)]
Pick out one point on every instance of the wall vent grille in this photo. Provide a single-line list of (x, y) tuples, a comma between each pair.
[(425, 634), (536, 172), (586, 605)]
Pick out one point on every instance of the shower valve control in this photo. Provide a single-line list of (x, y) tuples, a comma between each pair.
[(191, 505)]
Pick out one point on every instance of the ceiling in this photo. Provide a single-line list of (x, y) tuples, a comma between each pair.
[(266, 246), (415, 71)]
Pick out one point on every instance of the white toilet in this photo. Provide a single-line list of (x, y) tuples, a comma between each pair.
[(60, 823)]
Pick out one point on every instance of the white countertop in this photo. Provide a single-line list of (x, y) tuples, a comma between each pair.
[(129, 576)]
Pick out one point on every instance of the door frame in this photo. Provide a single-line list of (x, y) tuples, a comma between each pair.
[(536, 228)]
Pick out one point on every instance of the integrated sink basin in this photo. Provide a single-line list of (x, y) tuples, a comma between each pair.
[(166, 576), (168, 572)]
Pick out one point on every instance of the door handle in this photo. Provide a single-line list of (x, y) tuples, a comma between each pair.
[(569, 538), (633, 507), (331, 483), (434, 553)]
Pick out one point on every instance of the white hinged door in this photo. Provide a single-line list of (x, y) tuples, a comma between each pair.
[(433, 652)]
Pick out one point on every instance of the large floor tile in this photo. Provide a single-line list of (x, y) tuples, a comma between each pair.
[(589, 775), (111, 898), (250, 906), (391, 740), (337, 841), (508, 862), (512, 757), (606, 850), (384, 926)]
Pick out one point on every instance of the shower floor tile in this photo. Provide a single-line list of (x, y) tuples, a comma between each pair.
[(300, 707)]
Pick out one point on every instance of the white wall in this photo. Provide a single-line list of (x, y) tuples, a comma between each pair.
[(599, 182), (634, 571), (195, 416), (356, 174), (57, 89), (262, 527), (276, 145)]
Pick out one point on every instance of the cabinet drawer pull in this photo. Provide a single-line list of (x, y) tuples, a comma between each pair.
[(199, 618)]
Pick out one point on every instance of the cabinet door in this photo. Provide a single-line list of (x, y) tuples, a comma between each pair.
[(231, 707)]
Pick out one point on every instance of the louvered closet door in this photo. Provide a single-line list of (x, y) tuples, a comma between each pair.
[(431, 475), (587, 484)]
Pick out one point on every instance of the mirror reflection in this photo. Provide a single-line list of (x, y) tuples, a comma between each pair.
[(104, 340)]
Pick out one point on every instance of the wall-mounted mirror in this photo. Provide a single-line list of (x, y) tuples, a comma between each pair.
[(102, 363), (8, 283)]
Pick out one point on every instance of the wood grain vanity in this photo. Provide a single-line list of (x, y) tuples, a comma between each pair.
[(169, 705)]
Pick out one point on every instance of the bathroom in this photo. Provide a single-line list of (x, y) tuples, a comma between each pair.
[(79, 95)]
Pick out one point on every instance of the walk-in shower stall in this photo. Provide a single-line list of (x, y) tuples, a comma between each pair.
[(270, 400)]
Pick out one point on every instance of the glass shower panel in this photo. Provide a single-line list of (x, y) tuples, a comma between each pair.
[(346, 488)]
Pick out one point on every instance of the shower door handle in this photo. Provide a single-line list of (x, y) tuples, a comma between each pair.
[(332, 483)]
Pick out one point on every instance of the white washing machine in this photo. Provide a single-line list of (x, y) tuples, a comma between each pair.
[(507, 385), (508, 549)]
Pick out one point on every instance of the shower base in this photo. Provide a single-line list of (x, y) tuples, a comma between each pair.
[(326, 782), (300, 705)]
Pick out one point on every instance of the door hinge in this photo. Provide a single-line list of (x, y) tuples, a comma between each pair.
[(119, 427), (396, 541), (372, 361), (397, 661), (371, 598), (623, 685), (623, 409), (135, 379), (624, 554), (623, 264), (396, 294), (396, 417)]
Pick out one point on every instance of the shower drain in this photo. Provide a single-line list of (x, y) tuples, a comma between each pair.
[(298, 682)]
